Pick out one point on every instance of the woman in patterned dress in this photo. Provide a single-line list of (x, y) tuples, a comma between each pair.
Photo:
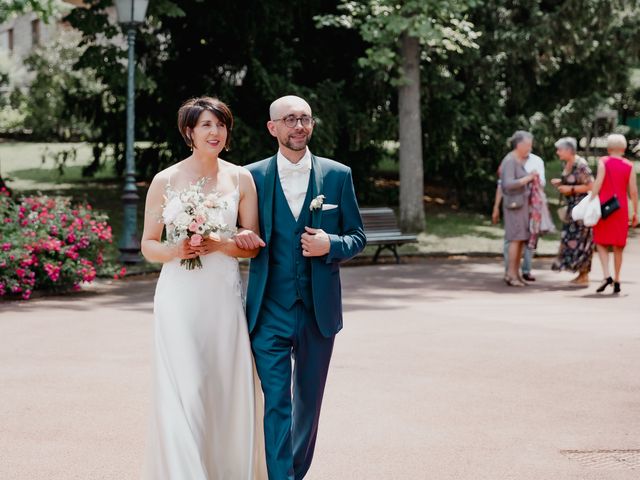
[(576, 241)]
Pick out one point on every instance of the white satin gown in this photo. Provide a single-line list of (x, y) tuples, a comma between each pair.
[(206, 421)]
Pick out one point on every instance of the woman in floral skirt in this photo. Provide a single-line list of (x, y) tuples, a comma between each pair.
[(576, 242)]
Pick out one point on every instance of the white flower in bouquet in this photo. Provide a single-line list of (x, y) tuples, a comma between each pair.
[(212, 200), (171, 210), (182, 220)]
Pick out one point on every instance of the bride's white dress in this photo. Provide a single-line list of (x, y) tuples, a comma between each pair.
[(206, 423)]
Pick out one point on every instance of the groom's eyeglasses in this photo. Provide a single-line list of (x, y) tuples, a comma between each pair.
[(291, 121)]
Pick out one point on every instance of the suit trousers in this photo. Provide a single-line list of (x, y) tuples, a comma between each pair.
[(292, 405)]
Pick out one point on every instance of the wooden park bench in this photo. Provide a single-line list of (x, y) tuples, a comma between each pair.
[(381, 229)]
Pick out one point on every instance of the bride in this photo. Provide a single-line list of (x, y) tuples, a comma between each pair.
[(206, 423)]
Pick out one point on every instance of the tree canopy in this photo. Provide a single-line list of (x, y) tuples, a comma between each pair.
[(487, 68)]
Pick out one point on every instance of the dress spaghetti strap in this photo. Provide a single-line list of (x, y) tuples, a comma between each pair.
[(238, 178)]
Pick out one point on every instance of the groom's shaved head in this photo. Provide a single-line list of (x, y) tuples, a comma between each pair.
[(282, 105)]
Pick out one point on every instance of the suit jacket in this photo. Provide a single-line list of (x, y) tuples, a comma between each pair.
[(343, 225)]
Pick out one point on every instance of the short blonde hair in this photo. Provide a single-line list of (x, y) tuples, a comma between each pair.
[(616, 141)]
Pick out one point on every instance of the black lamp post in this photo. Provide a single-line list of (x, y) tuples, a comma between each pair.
[(131, 13)]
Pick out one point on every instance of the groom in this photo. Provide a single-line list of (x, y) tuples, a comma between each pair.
[(310, 221)]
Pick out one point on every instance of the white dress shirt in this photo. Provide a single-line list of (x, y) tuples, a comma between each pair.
[(535, 164), (294, 178)]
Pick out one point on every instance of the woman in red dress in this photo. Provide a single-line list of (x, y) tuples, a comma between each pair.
[(615, 177)]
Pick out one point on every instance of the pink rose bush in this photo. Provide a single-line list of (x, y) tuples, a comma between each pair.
[(48, 244)]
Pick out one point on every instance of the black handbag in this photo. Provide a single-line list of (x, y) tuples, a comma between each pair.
[(610, 206)]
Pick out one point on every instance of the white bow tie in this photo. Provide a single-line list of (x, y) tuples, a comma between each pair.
[(289, 168)]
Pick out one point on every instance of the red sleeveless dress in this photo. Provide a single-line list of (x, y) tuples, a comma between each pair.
[(614, 229)]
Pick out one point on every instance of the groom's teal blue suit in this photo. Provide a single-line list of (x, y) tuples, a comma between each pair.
[(294, 306)]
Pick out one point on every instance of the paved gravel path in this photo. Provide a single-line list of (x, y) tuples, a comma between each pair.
[(442, 372)]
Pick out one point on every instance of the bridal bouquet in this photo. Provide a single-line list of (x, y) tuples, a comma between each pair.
[(192, 214)]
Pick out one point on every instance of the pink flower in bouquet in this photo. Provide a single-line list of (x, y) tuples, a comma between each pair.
[(195, 240), (6, 246), (200, 219), (193, 226)]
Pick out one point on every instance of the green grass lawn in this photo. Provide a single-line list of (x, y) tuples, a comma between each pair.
[(22, 155)]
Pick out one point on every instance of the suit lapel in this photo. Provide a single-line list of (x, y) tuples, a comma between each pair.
[(269, 190), (316, 171)]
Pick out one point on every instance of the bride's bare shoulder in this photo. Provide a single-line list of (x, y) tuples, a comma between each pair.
[(169, 174), (233, 169)]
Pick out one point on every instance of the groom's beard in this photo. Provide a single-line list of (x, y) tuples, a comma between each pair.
[(298, 144)]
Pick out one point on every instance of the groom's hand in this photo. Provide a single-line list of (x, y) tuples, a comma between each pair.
[(248, 240), (315, 242)]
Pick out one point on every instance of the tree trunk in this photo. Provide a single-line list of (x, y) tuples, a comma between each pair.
[(410, 129)]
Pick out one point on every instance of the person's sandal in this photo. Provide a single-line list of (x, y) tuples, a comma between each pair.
[(513, 282), (616, 287)]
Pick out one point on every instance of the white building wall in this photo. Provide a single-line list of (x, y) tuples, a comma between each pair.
[(21, 27)]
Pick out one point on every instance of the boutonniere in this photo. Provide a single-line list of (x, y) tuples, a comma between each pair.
[(316, 203)]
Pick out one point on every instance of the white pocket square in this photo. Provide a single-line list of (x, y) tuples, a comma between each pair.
[(328, 206)]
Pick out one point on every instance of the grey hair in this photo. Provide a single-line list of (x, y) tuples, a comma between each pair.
[(567, 142), (518, 137), (617, 141)]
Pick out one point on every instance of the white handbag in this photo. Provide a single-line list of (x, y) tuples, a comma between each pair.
[(588, 210)]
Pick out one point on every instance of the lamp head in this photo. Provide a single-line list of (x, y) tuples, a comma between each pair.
[(131, 11)]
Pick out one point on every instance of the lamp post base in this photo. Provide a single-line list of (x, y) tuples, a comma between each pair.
[(131, 257), (130, 244)]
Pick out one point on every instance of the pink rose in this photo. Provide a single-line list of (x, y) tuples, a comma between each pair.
[(193, 227), (200, 219), (196, 240)]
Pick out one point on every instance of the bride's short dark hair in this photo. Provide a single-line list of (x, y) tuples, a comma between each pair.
[(190, 112)]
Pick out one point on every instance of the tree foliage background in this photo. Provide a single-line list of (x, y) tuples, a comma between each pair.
[(544, 65)]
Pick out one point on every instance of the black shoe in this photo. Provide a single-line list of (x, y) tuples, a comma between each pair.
[(616, 287), (528, 277), (604, 284)]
